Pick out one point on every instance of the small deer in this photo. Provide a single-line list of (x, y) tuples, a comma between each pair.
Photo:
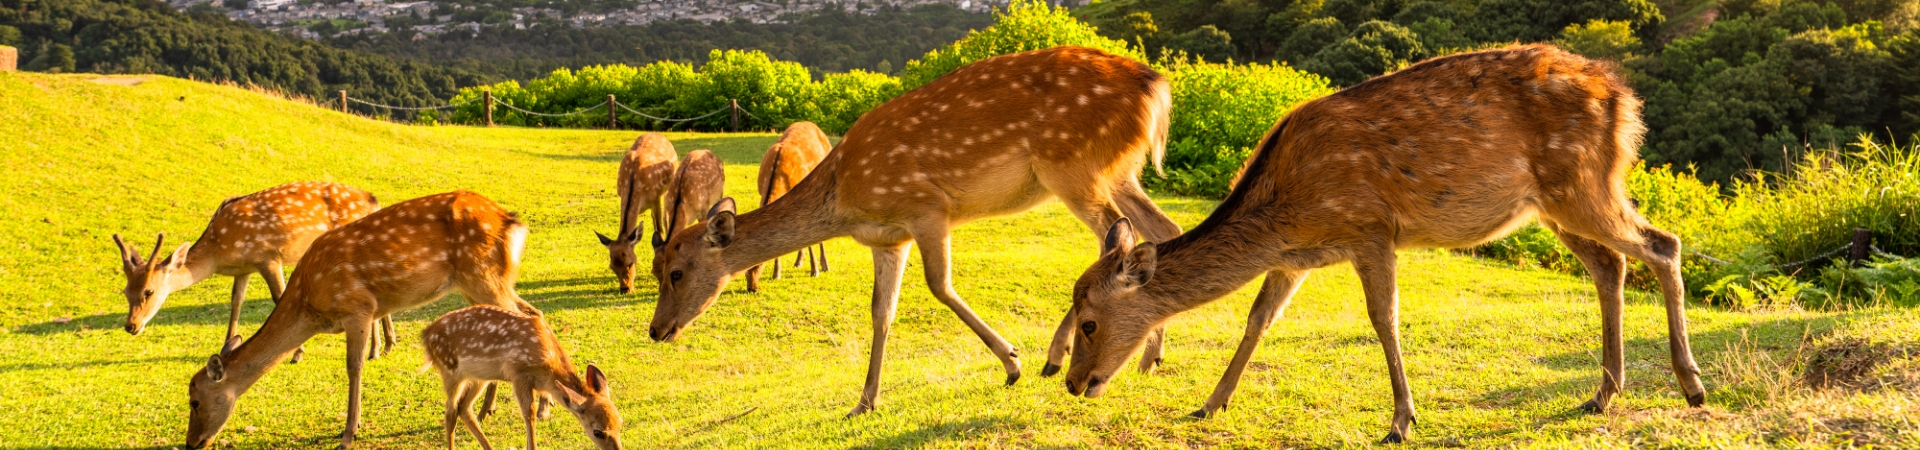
[(1448, 153), (787, 162), (482, 344), (255, 233), (644, 175), (992, 138), (398, 258)]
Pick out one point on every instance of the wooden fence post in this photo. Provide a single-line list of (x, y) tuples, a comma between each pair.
[(1862, 246), (612, 123), (487, 106), (735, 104), (343, 102)]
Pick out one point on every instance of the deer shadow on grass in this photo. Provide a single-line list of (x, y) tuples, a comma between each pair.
[(1648, 366)]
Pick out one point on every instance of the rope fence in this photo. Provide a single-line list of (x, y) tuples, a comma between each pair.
[(1857, 252), (733, 106)]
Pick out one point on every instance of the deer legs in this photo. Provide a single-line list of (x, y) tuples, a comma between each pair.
[(233, 306), (889, 263), (1608, 269), (359, 336), (1377, 268), (276, 277), (935, 253), (1275, 293)]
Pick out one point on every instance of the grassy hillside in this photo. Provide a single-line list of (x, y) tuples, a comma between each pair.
[(1497, 355)]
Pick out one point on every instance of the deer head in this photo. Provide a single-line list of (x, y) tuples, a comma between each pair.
[(1111, 323), (620, 256), (691, 272), (211, 397), (150, 281), (594, 408)]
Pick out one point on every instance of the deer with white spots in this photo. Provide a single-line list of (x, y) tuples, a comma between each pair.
[(787, 162), (255, 233), (398, 258), (481, 344), (644, 175), (697, 187), (992, 138), (1448, 153)]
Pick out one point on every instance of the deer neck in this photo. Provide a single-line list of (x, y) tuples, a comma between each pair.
[(802, 217), (198, 268), (1209, 263), (284, 331)]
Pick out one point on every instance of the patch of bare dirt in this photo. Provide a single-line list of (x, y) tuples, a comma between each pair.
[(121, 81)]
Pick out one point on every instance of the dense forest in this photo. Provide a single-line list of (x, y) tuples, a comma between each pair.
[(1729, 86), (826, 41), (147, 36)]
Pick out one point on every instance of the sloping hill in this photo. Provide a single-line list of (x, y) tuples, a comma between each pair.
[(1497, 355)]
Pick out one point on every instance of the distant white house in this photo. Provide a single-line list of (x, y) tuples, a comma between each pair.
[(269, 5)]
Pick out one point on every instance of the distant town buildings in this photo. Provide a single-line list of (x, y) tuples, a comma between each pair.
[(429, 17)]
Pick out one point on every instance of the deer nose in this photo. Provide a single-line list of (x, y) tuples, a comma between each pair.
[(133, 329), (625, 289)]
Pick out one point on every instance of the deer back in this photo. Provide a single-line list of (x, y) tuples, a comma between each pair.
[(644, 175), (700, 182), (409, 254), (981, 138), (789, 160), (490, 343)]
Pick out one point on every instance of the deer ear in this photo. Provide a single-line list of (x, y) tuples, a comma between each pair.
[(720, 230), (1136, 267), (179, 258), (233, 343), (724, 205), (596, 380), (215, 370), (633, 237), (604, 240), (572, 398), (1119, 236)]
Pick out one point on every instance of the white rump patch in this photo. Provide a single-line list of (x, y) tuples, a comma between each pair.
[(516, 242)]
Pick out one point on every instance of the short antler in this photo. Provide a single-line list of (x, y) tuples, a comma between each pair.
[(158, 241), (128, 259)]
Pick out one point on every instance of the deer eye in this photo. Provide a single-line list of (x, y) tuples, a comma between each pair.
[(1088, 327), (193, 404), (676, 276), (148, 293), (597, 434)]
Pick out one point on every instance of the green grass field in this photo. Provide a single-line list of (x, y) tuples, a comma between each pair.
[(1497, 355)]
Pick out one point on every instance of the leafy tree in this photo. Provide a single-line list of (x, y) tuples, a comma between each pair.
[(9, 35), (1604, 39), (1220, 113), (1309, 38), (1417, 12), (1207, 43), (1540, 20), (60, 59), (1373, 48)]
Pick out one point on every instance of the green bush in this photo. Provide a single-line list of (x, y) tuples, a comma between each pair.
[(1374, 48), (1815, 207), (1220, 112), (1603, 39), (1025, 25), (1310, 37), (1207, 43)]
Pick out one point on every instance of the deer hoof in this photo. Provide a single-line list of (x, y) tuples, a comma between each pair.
[(1393, 438), (1013, 377), (1695, 400), (1050, 370), (858, 410), (298, 354), (1591, 407)]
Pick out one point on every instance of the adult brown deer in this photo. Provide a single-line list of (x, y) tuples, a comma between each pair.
[(644, 174), (255, 233), (992, 138), (1448, 153), (481, 344), (398, 258), (787, 162)]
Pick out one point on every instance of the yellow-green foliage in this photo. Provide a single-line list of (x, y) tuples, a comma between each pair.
[(1024, 25)]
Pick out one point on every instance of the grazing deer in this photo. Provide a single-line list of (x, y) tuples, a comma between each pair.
[(697, 187), (483, 344), (787, 162), (1449, 153), (644, 175), (255, 233), (995, 137), (401, 257)]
